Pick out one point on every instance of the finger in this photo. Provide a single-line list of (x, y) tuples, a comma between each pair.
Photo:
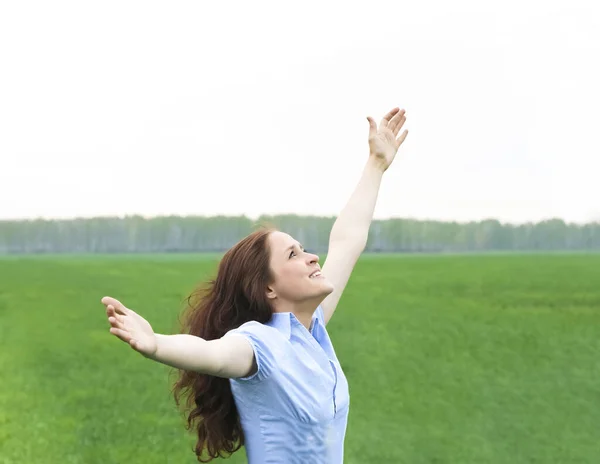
[(119, 307), (120, 319), (396, 120), (110, 312), (372, 127), (401, 138), (114, 322), (121, 334), (386, 119), (398, 126)]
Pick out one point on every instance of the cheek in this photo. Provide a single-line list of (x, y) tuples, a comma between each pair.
[(290, 269), (290, 276)]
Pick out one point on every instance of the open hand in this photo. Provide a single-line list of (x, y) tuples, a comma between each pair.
[(130, 327), (384, 141)]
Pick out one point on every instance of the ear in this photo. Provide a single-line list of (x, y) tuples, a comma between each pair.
[(271, 294)]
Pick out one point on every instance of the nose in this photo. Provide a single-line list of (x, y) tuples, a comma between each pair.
[(312, 258)]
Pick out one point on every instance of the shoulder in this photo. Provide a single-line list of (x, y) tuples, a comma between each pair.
[(269, 345), (255, 329)]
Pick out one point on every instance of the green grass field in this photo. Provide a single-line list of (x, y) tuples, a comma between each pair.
[(450, 359)]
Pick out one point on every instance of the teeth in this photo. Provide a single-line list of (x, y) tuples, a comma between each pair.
[(316, 274)]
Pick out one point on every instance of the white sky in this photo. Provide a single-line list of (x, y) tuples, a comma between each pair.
[(239, 107)]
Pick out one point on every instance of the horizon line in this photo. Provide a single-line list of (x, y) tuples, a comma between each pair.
[(271, 215)]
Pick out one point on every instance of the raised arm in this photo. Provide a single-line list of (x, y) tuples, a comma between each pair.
[(230, 357), (350, 231)]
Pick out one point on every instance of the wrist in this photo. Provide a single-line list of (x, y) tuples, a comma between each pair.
[(375, 165), (158, 338)]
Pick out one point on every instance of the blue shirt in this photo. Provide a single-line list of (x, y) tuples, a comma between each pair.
[(294, 409)]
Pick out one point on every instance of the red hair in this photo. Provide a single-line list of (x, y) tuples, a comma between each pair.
[(237, 295)]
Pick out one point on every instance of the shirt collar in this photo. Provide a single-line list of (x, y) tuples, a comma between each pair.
[(283, 322)]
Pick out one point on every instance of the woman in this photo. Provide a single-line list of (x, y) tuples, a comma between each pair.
[(255, 357)]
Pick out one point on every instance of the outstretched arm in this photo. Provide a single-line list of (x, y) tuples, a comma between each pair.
[(350, 231), (230, 357)]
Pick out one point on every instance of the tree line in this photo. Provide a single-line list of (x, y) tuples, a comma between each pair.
[(136, 234)]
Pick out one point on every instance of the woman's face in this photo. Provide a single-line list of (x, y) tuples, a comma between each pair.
[(296, 272)]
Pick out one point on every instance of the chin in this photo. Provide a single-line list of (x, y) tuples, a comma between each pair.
[(323, 289), (328, 287)]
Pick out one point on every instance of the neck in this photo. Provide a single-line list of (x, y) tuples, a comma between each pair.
[(302, 310)]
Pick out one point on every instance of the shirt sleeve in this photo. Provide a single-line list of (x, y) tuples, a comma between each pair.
[(264, 344)]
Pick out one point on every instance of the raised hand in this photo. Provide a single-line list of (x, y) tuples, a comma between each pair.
[(384, 141), (130, 327)]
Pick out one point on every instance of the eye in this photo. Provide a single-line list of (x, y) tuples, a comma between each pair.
[(300, 248)]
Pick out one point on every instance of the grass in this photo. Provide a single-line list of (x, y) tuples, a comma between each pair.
[(450, 359)]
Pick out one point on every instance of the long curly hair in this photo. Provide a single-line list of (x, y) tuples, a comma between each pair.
[(235, 296)]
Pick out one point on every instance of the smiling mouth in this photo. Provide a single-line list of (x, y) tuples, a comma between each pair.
[(315, 275)]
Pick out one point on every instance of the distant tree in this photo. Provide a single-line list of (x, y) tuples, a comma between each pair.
[(136, 234)]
